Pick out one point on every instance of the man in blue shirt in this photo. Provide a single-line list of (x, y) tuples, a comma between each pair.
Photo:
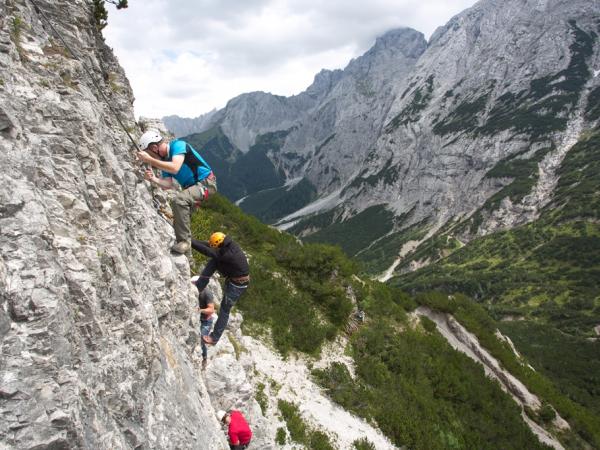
[(177, 159)]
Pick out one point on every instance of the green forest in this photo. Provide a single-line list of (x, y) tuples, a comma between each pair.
[(539, 281)]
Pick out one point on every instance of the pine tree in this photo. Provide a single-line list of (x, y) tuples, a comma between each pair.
[(100, 13)]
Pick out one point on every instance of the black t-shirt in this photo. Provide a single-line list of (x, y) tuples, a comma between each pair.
[(229, 259), (204, 299)]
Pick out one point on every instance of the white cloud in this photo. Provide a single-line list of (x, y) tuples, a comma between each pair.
[(187, 57)]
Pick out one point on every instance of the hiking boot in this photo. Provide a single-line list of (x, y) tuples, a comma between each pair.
[(204, 362), (181, 247)]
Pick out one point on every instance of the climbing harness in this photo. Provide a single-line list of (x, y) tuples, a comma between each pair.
[(194, 161)]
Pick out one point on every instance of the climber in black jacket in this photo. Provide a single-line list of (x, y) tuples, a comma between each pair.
[(228, 258)]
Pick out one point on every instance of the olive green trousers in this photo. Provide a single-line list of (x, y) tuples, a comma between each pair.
[(185, 202)]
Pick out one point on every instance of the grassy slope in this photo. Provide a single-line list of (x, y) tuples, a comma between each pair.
[(541, 272), (298, 292), (358, 232), (420, 391), (547, 273), (578, 375), (270, 205)]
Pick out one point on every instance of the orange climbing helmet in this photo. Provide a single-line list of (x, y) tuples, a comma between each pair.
[(216, 239)]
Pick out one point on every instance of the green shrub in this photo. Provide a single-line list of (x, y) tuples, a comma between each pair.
[(16, 33), (428, 324), (381, 253), (571, 363), (100, 14), (358, 232), (261, 398), (281, 436), (298, 292), (524, 173), (342, 389), (320, 441), (363, 444), (438, 301), (295, 424), (299, 431), (424, 395), (547, 413)]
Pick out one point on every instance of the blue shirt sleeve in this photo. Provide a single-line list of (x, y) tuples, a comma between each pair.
[(175, 148)]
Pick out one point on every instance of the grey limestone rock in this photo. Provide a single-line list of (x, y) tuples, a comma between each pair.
[(95, 314)]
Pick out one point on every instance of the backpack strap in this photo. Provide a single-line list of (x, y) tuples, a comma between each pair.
[(193, 161)]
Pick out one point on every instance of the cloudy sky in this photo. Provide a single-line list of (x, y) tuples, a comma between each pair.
[(187, 57)]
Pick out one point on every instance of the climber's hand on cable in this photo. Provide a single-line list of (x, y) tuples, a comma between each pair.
[(149, 175), (144, 156)]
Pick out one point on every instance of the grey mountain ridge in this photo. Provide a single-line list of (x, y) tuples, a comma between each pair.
[(416, 126)]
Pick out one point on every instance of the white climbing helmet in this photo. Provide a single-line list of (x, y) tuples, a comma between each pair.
[(149, 137), (220, 415)]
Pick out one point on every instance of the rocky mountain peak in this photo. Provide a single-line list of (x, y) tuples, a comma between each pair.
[(323, 82), (398, 47), (420, 129), (411, 43)]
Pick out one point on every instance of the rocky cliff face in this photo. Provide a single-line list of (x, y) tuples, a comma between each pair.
[(96, 318), (336, 138), (502, 80)]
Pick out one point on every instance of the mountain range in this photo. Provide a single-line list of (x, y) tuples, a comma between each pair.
[(416, 136)]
